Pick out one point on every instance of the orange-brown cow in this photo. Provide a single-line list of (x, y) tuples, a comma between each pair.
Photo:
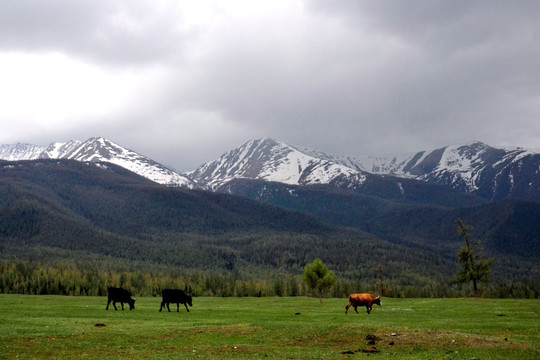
[(366, 300)]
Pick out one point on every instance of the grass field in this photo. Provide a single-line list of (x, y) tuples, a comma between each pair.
[(55, 327)]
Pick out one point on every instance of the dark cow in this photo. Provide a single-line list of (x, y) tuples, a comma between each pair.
[(119, 295), (176, 297), (366, 300)]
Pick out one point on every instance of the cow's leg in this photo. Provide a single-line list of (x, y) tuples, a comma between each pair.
[(122, 303), (368, 309), (108, 302), (168, 308), (356, 309), (347, 307), (114, 304), (162, 306), (177, 307), (185, 304)]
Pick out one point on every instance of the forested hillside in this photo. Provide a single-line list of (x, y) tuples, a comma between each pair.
[(505, 227), (508, 230), (72, 227)]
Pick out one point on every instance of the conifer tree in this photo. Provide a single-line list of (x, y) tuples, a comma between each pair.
[(474, 266), (318, 278)]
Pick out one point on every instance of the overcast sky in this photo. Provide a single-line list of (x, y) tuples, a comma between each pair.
[(184, 81)]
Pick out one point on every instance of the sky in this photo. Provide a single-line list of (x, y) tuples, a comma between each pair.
[(182, 82)]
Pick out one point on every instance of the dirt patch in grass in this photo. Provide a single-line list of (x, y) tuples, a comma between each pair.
[(437, 340), (352, 340), (433, 341)]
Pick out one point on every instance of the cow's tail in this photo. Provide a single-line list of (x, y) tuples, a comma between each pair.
[(349, 304)]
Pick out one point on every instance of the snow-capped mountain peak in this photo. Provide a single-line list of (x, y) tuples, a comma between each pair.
[(270, 160), (98, 149), (101, 149)]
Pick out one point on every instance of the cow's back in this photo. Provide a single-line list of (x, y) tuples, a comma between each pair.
[(118, 294), (173, 295), (361, 299)]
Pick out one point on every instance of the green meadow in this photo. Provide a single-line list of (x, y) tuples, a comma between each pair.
[(56, 327)]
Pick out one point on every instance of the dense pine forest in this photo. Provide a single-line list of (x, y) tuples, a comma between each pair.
[(19, 277), (74, 228)]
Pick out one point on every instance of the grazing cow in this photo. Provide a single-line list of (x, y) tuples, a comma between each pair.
[(366, 300), (176, 297), (119, 295)]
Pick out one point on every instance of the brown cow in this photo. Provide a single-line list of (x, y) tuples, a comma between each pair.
[(366, 300)]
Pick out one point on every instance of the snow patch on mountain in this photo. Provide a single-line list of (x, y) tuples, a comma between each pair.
[(20, 151), (60, 150)]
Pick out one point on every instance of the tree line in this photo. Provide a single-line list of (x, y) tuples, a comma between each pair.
[(23, 277)]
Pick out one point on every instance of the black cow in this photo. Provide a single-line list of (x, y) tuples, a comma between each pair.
[(119, 295), (175, 296)]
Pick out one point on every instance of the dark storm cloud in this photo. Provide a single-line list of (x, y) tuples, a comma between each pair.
[(352, 77), (466, 67)]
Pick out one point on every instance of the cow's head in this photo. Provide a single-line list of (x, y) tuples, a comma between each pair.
[(131, 303), (378, 301), (189, 300)]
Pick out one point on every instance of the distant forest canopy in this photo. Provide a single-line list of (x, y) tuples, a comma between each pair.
[(18, 277), (74, 229)]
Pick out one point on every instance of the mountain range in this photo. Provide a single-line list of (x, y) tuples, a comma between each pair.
[(269, 205), (489, 173), (101, 216), (52, 211)]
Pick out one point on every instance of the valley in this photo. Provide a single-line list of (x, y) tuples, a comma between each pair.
[(259, 214)]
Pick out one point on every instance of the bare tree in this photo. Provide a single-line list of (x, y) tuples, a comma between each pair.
[(379, 270)]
